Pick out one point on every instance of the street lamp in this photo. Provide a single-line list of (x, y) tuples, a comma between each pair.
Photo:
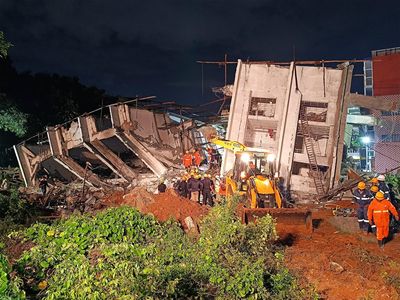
[(366, 140)]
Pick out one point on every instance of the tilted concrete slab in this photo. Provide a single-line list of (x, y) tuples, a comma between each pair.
[(113, 160), (142, 152), (69, 164), (382, 103)]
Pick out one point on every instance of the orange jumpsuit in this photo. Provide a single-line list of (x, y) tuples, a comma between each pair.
[(187, 160), (378, 211), (197, 158)]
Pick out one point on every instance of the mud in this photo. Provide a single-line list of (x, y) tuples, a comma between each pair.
[(343, 265), (163, 206), (15, 248)]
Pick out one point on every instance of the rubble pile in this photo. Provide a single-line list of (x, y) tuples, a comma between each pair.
[(163, 206)]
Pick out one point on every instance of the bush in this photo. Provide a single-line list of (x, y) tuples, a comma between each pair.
[(9, 288), (12, 207), (122, 254)]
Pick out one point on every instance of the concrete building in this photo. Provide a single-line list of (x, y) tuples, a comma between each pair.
[(296, 112), (382, 80), (120, 141)]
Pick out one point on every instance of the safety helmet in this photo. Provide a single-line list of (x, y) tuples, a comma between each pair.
[(381, 177), (374, 189), (187, 151), (374, 180), (361, 185), (379, 195)]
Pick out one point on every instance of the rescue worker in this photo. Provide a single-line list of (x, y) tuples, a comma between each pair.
[(197, 159), (383, 187), (374, 189), (162, 187), (182, 188), (187, 160), (208, 189), (43, 184), (194, 187), (362, 197), (379, 212), (253, 171), (374, 181)]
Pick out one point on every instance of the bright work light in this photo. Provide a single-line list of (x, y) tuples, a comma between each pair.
[(245, 157)]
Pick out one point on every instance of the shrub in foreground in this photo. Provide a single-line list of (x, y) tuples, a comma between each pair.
[(121, 254)]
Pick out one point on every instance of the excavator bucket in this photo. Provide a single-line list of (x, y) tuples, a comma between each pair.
[(289, 220)]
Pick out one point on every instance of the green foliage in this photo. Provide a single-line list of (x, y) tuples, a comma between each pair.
[(394, 181), (4, 45), (12, 207), (11, 118), (121, 254), (9, 287)]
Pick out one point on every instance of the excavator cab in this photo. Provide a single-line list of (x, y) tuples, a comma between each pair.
[(258, 186)]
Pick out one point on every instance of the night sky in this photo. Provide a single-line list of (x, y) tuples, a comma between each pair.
[(150, 47)]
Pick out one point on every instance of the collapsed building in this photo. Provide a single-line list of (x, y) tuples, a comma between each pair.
[(296, 112), (120, 141)]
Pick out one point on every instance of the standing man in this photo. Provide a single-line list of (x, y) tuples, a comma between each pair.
[(363, 198), (162, 187), (197, 158), (374, 189), (379, 213), (208, 189), (383, 187), (182, 187), (187, 160), (43, 184), (194, 188), (374, 181)]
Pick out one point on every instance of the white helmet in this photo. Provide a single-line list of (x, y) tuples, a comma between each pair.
[(381, 177)]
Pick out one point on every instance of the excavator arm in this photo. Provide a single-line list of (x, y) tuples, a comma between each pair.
[(231, 145)]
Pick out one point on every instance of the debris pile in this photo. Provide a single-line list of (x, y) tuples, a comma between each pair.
[(163, 206)]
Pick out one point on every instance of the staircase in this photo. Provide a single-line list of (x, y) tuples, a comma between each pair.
[(314, 170)]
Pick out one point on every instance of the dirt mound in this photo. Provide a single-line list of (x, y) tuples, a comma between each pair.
[(163, 206), (169, 205)]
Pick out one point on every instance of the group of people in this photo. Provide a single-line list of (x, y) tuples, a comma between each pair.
[(196, 187), (192, 160), (375, 208)]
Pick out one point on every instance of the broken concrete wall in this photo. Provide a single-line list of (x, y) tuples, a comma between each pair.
[(148, 136)]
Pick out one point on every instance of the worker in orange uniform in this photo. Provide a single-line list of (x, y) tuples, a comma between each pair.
[(379, 213), (187, 160), (197, 158), (374, 189)]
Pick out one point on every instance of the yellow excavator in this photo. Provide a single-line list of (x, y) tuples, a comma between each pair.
[(253, 178), (252, 175)]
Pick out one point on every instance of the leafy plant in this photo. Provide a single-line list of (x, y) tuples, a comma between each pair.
[(394, 181), (9, 288), (120, 253), (4, 45), (13, 207), (11, 118)]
